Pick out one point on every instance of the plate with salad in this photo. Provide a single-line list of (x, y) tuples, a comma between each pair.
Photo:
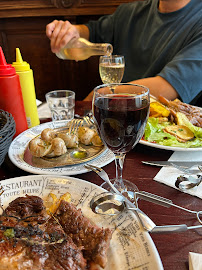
[(173, 125)]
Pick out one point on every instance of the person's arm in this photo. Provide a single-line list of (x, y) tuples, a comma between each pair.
[(61, 32), (157, 86)]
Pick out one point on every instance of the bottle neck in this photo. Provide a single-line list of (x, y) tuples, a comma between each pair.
[(102, 49)]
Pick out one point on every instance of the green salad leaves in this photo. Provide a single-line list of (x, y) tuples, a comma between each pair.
[(154, 132)]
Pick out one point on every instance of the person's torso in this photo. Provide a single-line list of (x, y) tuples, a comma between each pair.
[(149, 39)]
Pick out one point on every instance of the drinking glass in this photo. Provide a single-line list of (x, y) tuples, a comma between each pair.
[(61, 104), (111, 69), (120, 117)]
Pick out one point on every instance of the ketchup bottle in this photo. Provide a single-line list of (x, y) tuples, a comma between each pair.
[(11, 94)]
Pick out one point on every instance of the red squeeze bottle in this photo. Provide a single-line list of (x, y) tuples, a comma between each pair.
[(11, 99)]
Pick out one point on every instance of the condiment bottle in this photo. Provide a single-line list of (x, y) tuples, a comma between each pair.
[(11, 99), (81, 49), (28, 90)]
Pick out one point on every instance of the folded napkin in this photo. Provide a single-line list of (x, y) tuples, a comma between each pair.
[(195, 261), (168, 175)]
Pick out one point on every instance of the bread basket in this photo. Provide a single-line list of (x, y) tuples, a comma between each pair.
[(7, 131)]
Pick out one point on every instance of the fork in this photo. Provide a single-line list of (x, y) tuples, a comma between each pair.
[(146, 222), (1, 192), (74, 125), (186, 170), (88, 120)]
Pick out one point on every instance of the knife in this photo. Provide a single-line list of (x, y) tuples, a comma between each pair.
[(185, 164)]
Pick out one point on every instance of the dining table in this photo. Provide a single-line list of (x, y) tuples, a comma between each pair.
[(173, 248)]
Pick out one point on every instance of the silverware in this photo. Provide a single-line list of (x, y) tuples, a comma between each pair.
[(189, 182), (74, 125), (174, 228), (168, 203), (185, 170), (144, 219), (146, 222), (88, 120), (184, 164)]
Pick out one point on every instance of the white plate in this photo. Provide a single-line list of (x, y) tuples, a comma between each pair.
[(19, 144), (130, 248), (171, 148)]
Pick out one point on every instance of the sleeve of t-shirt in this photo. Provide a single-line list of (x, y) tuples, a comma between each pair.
[(184, 72), (102, 30)]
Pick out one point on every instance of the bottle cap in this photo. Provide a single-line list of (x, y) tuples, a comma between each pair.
[(5, 69), (20, 65)]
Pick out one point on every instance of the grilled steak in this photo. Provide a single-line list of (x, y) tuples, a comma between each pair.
[(29, 207), (94, 240), (31, 239)]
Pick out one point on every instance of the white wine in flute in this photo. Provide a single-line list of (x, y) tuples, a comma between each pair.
[(111, 73)]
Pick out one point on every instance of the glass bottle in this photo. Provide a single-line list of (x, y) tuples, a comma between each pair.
[(81, 49)]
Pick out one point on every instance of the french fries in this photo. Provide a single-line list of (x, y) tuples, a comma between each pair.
[(158, 110), (52, 201)]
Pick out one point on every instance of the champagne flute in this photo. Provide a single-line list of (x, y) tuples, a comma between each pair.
[(120, 117), (111, 69)]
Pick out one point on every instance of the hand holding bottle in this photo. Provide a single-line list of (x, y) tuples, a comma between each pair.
[(60, 33)]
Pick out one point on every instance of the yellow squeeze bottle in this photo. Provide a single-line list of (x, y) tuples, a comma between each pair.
[(28, 90)]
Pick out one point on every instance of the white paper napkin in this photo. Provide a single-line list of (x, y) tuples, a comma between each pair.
[(44, 111), (195, 261), (38, 102), (168, 175)]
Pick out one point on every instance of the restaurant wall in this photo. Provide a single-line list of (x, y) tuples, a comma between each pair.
[(22, 25)]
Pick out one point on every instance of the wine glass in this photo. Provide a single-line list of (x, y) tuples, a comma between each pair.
[(111, 69), (120, 117)]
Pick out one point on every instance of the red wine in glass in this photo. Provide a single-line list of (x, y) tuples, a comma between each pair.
[(121, 120), (120, 117)]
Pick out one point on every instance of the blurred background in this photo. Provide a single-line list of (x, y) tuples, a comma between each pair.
[(23, 24)]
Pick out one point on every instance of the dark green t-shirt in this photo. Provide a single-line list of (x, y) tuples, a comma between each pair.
[(154, 43)]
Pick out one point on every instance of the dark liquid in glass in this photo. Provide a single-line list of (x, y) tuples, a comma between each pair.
[(121, 120)]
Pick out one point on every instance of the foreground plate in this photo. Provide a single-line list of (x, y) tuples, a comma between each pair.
[(171, 148), (130, 247), (19, 144)]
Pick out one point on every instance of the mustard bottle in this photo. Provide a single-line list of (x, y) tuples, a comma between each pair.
[(28, 89)]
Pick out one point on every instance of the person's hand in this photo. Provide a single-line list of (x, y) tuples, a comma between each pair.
[(60, 33)]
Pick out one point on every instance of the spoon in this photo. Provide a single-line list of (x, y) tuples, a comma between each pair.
[(189, 182), (146, 222)]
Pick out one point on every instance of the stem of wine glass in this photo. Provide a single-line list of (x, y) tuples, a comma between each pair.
[(119, 161)]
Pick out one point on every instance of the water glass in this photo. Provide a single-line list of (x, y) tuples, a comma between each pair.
[(61, 104)]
